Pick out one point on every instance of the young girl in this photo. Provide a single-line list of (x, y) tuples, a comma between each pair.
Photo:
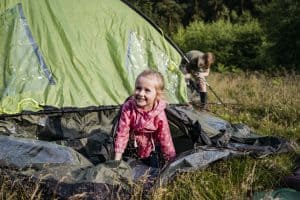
[(143, 119)]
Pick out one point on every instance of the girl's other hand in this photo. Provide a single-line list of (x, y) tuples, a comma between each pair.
[(118, 156)]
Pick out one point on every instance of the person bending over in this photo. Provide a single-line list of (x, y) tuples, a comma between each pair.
[(196, 71)]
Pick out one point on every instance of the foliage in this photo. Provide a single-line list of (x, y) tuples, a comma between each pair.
[(243, 34), (171, 14), (167, 13), (281, 20), (183, 12), (235, 45)]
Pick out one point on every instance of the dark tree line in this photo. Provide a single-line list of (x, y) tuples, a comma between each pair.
[(279, 39), (170, 14)]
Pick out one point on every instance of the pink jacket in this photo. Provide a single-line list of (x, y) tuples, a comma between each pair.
[(145, 128)]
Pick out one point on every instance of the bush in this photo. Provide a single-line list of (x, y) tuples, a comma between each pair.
[(235, 45)]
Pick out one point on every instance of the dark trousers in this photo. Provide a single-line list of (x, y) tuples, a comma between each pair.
[(202, 95), (153, 160), (203, 99)]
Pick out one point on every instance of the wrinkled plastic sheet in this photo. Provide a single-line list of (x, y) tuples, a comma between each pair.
[(25, 153), (61, 171), (76, 150)]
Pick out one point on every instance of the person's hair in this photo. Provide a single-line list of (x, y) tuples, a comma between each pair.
[(209, 59), (159, 78)]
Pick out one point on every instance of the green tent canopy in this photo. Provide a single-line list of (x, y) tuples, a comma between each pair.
[(66, 53)]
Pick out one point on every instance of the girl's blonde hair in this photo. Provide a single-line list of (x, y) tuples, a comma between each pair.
[(158, 77)]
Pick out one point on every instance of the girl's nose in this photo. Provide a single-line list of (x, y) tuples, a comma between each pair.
[(140, 92)]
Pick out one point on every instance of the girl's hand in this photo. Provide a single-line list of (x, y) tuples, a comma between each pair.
[(118, 156)]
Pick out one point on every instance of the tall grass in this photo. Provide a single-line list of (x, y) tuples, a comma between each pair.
[(270, 106), (233, 179), (12, 188)]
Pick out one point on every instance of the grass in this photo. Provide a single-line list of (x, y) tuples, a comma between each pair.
[(14, 188), (233, 179), (270, 106)]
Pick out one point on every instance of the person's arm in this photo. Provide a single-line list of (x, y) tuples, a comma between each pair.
[(165, 138), (187, 76), (203, 74), (122, 134)]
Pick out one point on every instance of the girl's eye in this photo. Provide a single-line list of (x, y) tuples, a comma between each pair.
[(147, 90)]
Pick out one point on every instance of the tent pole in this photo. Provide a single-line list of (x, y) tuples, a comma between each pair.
[(206, 83)]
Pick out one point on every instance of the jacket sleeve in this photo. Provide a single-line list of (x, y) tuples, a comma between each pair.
[(165, 138), (122, 134)]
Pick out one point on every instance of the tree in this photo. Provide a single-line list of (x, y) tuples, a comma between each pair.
[(281, 20), (169, 15)]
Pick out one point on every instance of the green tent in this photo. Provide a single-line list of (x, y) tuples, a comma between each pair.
[(65, 53)]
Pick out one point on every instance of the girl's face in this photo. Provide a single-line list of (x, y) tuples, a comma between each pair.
[(145, 93)]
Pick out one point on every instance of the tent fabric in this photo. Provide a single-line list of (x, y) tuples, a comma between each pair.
[(86, 132), (293, 180), (29, 153), (62, 53)]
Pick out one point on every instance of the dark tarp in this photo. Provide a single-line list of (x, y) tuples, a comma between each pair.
[(281, 193), (30, 153), (33, 142), (293, 180)]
